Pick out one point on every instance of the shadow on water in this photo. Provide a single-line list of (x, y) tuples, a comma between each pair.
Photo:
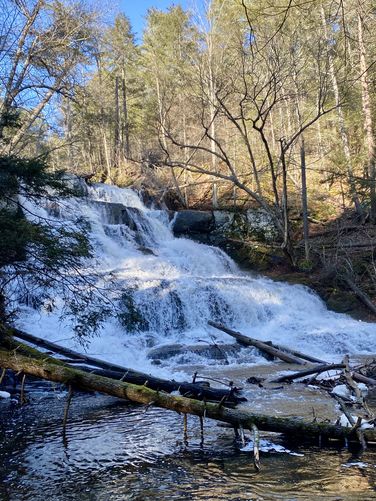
[(116, 451)]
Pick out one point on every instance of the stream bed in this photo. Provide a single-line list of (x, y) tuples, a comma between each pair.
[(116, 451)]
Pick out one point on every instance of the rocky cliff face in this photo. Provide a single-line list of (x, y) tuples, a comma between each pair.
[(249, 237), (217, 226)]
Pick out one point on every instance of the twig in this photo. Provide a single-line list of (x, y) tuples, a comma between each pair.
[(66, 409), (317, 369), (22, 395), (3, 372), (256, 447), (185, 429), (201, 431)]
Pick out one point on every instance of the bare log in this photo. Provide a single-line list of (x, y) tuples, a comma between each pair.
[(363, 379), (197, 390), (55, 348), (256, 447), (360, 294), (249, 341), (140, 394), (354, 388), (317, 369), (298, 354)]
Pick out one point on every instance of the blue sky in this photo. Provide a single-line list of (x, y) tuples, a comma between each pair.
[(136, 10)]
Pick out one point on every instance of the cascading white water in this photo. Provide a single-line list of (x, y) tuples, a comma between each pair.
[(171, 287)]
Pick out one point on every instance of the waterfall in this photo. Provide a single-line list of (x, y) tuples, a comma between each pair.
[(167, 289)]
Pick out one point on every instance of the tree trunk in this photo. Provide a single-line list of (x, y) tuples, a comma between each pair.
[(117, 138), (317, 369), (341, 121), (141, 394), (126, 145), (303, 171), (368, 121), (195, 390), (7, 101), (211, 94), (265, 347), (163, 138)]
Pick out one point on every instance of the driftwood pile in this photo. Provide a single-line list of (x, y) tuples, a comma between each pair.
[(79, 371)]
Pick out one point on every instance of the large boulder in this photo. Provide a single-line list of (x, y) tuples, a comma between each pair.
[(115, 213), (193, 221), (215, 352), (215, 226), (223, 220)]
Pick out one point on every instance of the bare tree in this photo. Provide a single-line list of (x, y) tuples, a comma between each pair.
[(43, 45), (243, 102)]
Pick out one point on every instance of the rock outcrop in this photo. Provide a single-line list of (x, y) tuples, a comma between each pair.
[(216, 226)]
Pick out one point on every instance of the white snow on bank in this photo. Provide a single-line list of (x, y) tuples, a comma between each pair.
[(343, 391), (267, 446)]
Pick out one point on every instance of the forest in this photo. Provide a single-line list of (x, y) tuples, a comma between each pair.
[(211, 177), (235, 105)]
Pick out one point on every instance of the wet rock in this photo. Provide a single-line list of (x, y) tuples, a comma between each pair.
[(254, 256), (192, 221), (216, 226), (342, 301), (223, 220), (261, 225), (215, 352), (146, 250), (255, 380), (115, 213)]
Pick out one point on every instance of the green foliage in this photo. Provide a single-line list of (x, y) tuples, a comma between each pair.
[(89, 320), (306, 265), (37, 255), (129, 316), (31, 177), (20, 236), (15, 234)]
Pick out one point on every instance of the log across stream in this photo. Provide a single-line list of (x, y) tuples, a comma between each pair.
[(143, 395), (39, 365)]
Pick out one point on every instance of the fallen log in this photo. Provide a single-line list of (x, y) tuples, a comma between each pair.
[(360, 294), (298, 354), (363, 379), (55, 348), (322, 368), (317, 369), (280, 352), (292, 427), (197, 390), (260, 345)]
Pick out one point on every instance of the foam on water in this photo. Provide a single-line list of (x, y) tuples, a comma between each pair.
[(176, 285)]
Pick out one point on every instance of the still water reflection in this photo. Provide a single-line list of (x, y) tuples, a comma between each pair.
[(113, 451)]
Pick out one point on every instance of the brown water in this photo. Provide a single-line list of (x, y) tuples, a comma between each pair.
[(116, 451)]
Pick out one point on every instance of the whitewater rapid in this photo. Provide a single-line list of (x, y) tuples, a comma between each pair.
[(173, 286)]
